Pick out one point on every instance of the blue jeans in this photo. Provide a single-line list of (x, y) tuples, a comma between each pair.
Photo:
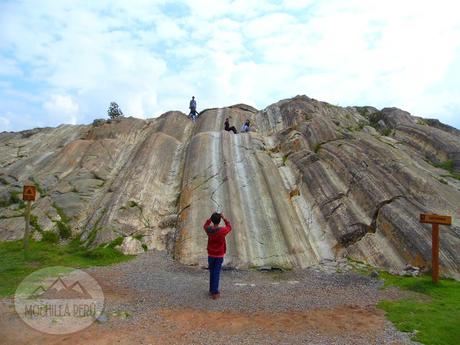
[(215, 265)]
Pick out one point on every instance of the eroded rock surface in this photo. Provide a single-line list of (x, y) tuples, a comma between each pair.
[(313, 183)]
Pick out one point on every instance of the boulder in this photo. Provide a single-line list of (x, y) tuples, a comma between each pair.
[(130, 246)]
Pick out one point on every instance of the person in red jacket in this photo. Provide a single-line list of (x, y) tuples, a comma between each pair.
[(216, 250)]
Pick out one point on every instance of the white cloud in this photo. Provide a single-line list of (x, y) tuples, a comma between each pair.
[(9, 67), (80, 56), (63, 108), (168, 30), (268, 25), (296, 4), (4, 123), (18, 121)]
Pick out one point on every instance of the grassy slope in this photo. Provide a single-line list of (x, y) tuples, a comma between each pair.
[(14, 267), (436, 322)]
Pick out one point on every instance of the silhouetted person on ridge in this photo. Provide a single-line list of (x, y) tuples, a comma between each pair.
[(193, 114), (228, 128), (216, 250), (246, 126)]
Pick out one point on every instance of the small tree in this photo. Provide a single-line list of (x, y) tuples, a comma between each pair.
[(114, 111)]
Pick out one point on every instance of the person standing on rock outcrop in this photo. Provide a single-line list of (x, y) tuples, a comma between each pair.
[(216, 250), (193, 114)]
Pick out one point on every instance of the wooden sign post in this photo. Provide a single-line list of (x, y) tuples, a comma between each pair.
[(29, 194), (435, 220)]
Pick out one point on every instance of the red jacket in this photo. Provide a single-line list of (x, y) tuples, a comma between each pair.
[(216, 238)]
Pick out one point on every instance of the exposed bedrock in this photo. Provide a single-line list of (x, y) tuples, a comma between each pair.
[(311, 182), (238, 174)]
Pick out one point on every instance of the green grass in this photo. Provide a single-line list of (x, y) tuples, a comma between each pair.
[(39, 187), (386, 132), (64, 230), (34, 223), (449, 166), (14, 267), (285, 158), (61, 213), (116, 242), (50, 237), (433, 322), (357, 128), (422, 122), (14, 199)]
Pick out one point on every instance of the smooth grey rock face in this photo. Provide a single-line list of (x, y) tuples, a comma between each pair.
[(311, 183)]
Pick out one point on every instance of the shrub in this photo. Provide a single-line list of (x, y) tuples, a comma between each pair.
[(98, 122), (447, 165), (386, 132), (50, 237), (421, 122), (64, 230), (116, 242), (34, 223)]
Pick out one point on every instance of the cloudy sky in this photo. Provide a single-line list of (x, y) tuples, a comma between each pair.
[(65, 61)]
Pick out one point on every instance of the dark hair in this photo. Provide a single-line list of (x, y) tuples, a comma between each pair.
[(215, 218)]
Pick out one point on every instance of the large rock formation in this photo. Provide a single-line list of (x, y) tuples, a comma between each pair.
[(312, 182)]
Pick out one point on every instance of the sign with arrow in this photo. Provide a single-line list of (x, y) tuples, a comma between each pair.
[(29, 193)]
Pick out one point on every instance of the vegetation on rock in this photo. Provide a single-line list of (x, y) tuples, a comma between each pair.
[(114, 111)]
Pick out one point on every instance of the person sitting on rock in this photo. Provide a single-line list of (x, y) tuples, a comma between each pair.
[(193, 113), (246, 127), (216, 250), (228, 128)]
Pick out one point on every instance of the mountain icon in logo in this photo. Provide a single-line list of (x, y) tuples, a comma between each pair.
[(60, 290)]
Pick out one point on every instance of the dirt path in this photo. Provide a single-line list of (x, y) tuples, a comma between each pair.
[(153, 300)]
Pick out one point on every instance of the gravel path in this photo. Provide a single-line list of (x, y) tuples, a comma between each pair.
[(154, 300)]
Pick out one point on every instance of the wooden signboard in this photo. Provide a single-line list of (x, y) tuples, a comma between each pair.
[(435, 220), (29, 193)]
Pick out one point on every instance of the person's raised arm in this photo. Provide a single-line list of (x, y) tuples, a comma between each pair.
[(206, 224), (228, 226)]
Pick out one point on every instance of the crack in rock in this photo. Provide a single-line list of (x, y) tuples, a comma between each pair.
[(375, 216), (333, 211), (337, 197), (362, 229), (214, 192)]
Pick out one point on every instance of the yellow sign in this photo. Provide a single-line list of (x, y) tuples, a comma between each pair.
[(435, 219), (29, 193)]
